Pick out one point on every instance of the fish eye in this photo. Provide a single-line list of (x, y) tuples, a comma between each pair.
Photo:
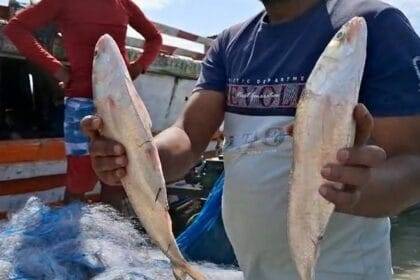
[(340, 35)]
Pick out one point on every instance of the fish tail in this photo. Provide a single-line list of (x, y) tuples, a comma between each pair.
[(181, 272)]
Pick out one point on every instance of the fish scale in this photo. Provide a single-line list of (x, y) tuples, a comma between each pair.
[(127, 121)]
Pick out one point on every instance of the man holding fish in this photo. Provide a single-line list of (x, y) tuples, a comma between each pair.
[(252, 79)]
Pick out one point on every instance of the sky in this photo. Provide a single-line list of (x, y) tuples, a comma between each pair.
[(202, 17), (209, 17)]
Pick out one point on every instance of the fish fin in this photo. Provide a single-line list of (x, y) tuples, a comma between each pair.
[(181, 272)]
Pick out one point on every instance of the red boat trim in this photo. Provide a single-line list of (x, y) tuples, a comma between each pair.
[(31, 150), (32, 185)]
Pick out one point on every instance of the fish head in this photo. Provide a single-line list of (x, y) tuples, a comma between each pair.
[(349, 41), (108, 68), (344, 58)]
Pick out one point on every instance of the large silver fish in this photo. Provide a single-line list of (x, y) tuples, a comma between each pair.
[(127, 121), (324, 124)]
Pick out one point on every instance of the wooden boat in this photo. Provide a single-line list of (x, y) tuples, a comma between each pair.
[(37, 166)]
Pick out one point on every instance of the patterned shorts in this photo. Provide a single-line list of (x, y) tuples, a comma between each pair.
[(76, 108)]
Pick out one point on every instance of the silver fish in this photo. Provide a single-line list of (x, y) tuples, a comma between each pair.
[(127, 121), (324, 124)]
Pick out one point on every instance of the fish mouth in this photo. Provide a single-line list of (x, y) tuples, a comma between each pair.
[(102, 44), (105, 39), (355, 27), (101, 57)]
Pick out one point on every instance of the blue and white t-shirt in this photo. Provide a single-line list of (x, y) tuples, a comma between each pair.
[(262, 69)]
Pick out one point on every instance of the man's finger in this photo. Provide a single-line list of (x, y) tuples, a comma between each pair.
[(102, 147), (120, 173), (91, 125), (364, 124), (341, 199), (369, 156), (348, 175), (104, 164), (112, 178)]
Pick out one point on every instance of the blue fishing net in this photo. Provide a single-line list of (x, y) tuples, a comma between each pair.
[(205, 239), (81, 242)]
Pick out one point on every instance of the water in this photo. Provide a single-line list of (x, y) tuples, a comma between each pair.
[(406, 246), (82, 242)]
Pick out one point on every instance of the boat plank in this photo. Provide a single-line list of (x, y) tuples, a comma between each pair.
[(31, 150), (16, 171), (14, 187)]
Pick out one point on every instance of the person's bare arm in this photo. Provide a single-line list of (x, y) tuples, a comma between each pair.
[(179, 146), (400, 138), (182, 145), (384, 184)]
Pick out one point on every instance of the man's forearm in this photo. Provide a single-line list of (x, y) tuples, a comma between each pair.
[(400, 175), (176, 153), (181, 145)]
